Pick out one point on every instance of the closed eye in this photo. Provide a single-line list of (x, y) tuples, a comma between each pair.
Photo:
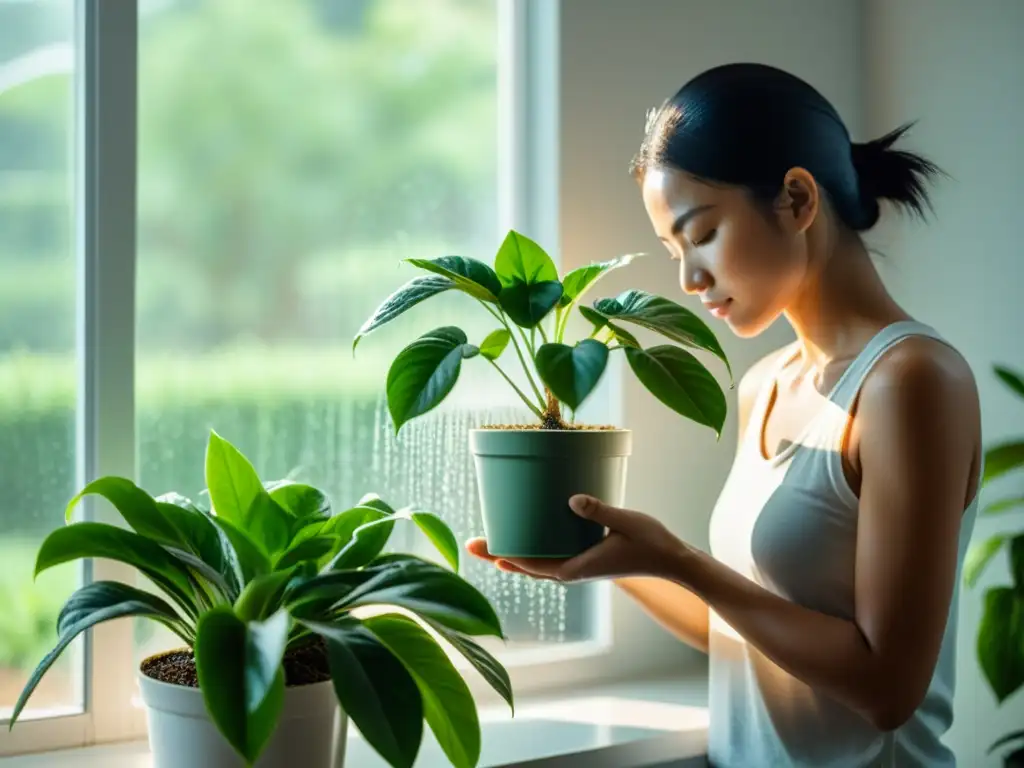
[(706, 239)]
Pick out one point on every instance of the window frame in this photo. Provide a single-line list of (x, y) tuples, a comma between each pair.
[(106, 158)]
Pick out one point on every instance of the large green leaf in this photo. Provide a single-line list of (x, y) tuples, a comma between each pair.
[(409, 295), (239, 671), (99, 595), (429, 590), (529, 303), (314, 597), (375, 501), (314, 549), (251, 560), (231, 479), (978, 557), (1007, 739), (665, 317), (469, 275), (375, 690), (521, 260), (113, 610), (620, 334), (203, 539), (300, 500), (681, 382), (423, 373), (267, 524), (1012, 379), (137, 507), (263, 596), (580, 280), (494, 344), (440, 535), (571, 373), (85, 540), (447, 703), (489, 667), (1003, 458), (361, 541), (1001, 641)]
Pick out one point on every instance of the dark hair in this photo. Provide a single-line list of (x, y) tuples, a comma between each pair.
[(748, 124)]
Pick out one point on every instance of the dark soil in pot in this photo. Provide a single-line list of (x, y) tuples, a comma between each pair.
[(304, 665)]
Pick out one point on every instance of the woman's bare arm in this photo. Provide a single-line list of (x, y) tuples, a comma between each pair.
[(671, 605)]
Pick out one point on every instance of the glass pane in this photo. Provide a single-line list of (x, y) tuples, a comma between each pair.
[(289, 159), (37, 343)]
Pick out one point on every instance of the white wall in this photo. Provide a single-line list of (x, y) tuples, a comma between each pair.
[(958, 68), (619, 58)]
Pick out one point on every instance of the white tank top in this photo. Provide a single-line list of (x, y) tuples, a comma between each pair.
[(790, 524)]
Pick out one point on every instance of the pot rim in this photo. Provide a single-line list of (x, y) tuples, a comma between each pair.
[(536, 431)]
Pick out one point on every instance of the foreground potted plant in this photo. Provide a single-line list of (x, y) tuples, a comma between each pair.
[(528, 472), (1001, 632), (264, 591)]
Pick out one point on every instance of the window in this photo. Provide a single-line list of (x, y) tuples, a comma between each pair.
[(262, 176)]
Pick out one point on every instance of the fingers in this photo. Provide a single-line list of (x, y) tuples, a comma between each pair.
[(478, 548), (594, 509)]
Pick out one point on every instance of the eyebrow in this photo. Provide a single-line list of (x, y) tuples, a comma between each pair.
[(683, 218)]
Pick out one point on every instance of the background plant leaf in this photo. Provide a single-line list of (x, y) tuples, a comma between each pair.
[(1003, 458), (1003, 505), (447, 703), (232, 482), (521, 260), (375, 689), (571, 373), (681, 382), (405, 298), (423, 373), (978, 556), (1001, 640), (495, 343), (578, 281), (1010, 378)]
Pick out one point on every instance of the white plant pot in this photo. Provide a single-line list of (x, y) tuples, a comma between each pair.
[(310, 733)]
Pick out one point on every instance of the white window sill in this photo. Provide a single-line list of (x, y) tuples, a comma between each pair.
[(640, 724)]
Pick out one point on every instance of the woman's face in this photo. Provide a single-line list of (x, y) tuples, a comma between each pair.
[(745, 266)]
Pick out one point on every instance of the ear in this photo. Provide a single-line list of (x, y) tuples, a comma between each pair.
[(799, 199)]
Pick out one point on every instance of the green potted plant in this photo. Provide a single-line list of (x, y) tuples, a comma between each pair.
[(1001, 632), (527, 472), (265, 591)]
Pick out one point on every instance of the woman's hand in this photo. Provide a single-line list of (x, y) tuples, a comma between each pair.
[(635, 545)]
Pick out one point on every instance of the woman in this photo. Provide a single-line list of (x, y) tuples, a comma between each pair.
[(827, 604)]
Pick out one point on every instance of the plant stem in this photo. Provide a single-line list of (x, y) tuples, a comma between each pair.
[(522, 395), (501, 319), (543, 335)]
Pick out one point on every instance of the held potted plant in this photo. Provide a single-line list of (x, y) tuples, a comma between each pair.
[(265, 591), (528, 472), (1001, 632)]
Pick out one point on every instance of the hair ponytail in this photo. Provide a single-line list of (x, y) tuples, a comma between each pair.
[(748, 124), (884, 173)]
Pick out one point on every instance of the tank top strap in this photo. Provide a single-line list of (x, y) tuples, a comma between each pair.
[(845, 391)]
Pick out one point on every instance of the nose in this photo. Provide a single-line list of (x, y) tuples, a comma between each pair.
[(693, 278)]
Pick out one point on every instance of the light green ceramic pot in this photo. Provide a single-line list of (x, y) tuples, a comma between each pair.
[(526, 478)]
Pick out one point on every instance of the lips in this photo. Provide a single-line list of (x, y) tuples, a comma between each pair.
[(718, 308)]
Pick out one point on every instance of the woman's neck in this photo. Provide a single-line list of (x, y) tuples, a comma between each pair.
[(842, 304)]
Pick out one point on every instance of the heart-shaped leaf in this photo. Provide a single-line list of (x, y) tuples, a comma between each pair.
[(521, 260), (120, 605), (1003, 458), (578, 281), (239, 669), (571, 373), (1012, 379), (1000, 640), (408, 296), (231, 480), (495, 344), (423, 373), (469, 275), (665, 317), (447, 703), (529, 303), (375, 689), (681, 382), (978, 557)]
